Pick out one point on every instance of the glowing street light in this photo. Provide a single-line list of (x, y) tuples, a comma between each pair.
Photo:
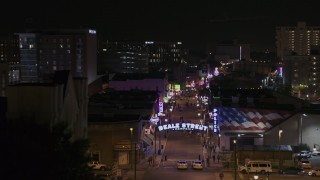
[(235, 158), (301, 118), (280, 134), (134, 155)]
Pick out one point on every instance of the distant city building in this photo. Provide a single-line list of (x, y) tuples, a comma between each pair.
[(44, 52), (229, 52), (302, 75), (28, 56), (144, 57), (122, 57), (9, 61), (140, 81), (252, 67), (169, 57), (296, 40), (263, 57)]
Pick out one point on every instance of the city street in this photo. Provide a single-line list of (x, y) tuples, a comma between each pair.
[(188, 145)]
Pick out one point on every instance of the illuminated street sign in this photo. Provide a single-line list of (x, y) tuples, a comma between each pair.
[(183, 126)]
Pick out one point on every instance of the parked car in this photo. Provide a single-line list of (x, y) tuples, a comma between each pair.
[(96, 165), (304, 154), (182, 164), (305, 164), (315, 153), (314, 172), (197, 164), (292, 170)]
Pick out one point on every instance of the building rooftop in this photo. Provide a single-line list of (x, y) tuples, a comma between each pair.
[(251, 119)]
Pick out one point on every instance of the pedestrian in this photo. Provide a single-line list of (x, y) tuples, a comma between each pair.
[(218, 158), (199, 157), (149, 160), (165, 157), (213, 158)]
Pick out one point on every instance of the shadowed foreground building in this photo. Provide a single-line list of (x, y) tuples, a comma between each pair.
[(111, 115), (62, 100)]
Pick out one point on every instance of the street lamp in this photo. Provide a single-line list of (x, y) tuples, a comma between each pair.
[(280, 133), (301, 126), (131, 133), (255, 177), (133, 154), (235, 158)]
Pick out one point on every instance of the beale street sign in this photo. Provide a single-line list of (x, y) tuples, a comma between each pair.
[(183, 126)]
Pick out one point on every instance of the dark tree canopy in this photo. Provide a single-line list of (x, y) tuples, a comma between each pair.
[(31, 151)]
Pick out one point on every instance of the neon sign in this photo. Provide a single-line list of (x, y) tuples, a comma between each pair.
[(160, 107), (183, 126), (154, 120), (215, 117)]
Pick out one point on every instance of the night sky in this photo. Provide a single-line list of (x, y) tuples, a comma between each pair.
[(195, 23)]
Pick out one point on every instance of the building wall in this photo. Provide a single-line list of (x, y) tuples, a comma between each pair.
[(9, 50), (48, 104), (144, 84), (44, 52), (41, 103), (262, 68), (104, 138), (91, 50), (291, 131), (81, 91), (3, 78), (28, 44)]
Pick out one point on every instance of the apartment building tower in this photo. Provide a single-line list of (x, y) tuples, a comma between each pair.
[(296, 40)]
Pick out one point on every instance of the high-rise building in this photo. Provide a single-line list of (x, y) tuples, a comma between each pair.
[(9, 61), (297, 47), (46, 51), (296, 40), (168, 57), (303, 82), (122, 57), (144, 57), (28, 57)]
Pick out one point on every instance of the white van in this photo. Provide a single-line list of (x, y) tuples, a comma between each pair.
[(256, 166)]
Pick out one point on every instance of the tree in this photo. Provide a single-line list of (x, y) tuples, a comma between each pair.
[(32, 151)]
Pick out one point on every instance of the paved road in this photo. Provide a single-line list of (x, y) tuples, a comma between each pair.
[(182, 145)]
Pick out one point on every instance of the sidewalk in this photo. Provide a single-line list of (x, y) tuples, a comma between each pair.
[(143, 165)]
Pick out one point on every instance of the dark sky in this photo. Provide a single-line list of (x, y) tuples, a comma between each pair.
[(195, 23)]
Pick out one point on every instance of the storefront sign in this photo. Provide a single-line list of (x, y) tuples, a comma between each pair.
[(215, 117)]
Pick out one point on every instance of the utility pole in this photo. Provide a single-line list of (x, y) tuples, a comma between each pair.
[(235, 159)]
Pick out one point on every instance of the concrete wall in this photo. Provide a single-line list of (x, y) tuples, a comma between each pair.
[(292, 133)]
